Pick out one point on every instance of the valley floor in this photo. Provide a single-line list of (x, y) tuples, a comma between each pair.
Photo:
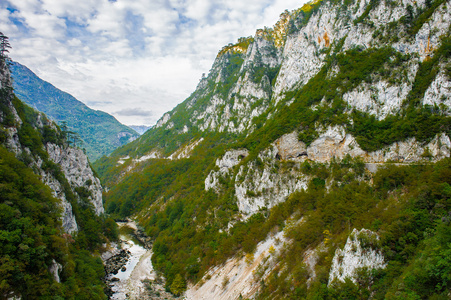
[(139, 280)]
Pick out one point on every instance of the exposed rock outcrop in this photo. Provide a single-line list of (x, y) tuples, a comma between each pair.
[(362, 250), (239, 276), (259, 187), (163, 120), (230, 159), (439, 93), (264, 182), (288, 147), (67, 217), (335, 143), (55, 269), (75, 166)]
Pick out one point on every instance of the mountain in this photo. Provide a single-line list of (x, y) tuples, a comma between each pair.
[(140, 128), (51, 208), (100, 132), (313, 162)]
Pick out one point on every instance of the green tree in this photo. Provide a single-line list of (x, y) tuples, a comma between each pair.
[(4, 45), (178, 285)]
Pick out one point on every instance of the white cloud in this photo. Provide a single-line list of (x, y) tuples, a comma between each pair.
[(78, 11), (6, 25), (118, 55), (74, 42), (198, 10), (107, 20)]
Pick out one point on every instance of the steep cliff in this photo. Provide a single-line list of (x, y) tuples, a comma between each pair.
[(328, 121)]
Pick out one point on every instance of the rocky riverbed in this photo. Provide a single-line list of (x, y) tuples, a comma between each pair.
[(128, 265)]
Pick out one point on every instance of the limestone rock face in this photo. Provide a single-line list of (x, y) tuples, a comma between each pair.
[(12, 141), (412, 151), (301, 58), (361, 251), (67, 217), (276, 174), (55, 268), (163, 120), (257, 186), (288, 146), (380, 99), (264, 183), (439, 93), (230, 159), (75, 165), (234, 112), (333, 142)]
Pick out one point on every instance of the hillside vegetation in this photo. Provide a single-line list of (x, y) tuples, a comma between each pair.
[(337, 118), (39, 259)]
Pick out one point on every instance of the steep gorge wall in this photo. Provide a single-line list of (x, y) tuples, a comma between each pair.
[(236, 96), (253, 96), (302, 57), (251, 81)]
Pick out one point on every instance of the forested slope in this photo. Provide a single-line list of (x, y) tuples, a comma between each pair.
[(51, 210), (336, 118)]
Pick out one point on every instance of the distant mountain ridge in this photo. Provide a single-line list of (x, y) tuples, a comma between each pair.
[(141, 129), (100, 132)]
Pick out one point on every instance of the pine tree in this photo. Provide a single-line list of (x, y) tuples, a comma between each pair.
[(4, 46)]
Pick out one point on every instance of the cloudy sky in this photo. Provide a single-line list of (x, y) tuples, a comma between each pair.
[(134, 59)]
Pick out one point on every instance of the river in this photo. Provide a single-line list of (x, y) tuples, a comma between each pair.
[(138, 280)]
